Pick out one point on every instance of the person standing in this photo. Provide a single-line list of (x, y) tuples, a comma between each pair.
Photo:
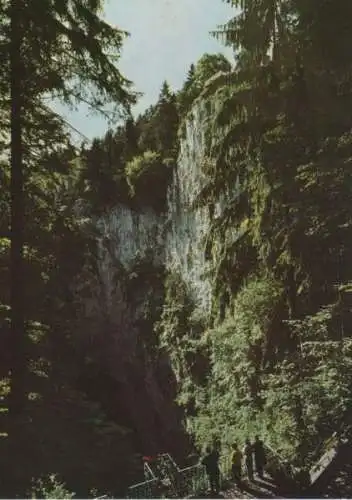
[(248, 458), (211, 463), (259, 456), (236, 461)]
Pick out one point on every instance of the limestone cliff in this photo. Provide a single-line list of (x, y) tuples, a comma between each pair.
[(124, 296)]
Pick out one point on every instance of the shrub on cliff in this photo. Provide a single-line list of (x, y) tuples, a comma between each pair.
[(148, 176)]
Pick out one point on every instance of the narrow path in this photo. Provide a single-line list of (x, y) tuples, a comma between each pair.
[(258, 488), (334, 481)]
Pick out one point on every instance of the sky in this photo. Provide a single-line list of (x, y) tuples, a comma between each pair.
[(166, 36)]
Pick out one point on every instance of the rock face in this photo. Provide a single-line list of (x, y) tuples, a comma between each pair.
[(127, 239), (124, 296), (175, 239), (189, 226)]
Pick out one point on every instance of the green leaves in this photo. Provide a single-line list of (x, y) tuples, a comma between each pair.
[(278, 157), (148, 177), (200, 76), (69, 51), (158, 126)]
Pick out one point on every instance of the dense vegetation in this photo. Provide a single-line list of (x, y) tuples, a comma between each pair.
[(48, 424), (60, 408), (273, 356), (279, 146)]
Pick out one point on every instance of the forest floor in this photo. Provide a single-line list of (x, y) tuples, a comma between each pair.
[(258, 488), (336, 482)]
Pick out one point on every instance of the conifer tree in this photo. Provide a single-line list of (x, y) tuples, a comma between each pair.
[(64, 48)]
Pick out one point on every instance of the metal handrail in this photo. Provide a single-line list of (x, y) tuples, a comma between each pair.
[(278, 466), (187, 481), (177, 482), (145, 489), (148, 473), (192, 480)]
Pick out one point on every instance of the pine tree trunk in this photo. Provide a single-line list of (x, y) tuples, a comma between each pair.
[(17, 395)]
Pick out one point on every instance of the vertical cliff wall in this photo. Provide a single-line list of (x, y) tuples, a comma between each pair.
[(188, 226), (124, 294)]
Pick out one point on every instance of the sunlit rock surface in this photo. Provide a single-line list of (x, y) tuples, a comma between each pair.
[(189, 226), (134, 251)]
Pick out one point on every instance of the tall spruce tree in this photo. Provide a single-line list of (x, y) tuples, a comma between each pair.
[(64, 48), (280, 146)]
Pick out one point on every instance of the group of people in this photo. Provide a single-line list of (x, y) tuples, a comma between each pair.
[(252, 457)]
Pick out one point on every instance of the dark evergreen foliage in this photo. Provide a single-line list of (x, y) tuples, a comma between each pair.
[(274, 357)]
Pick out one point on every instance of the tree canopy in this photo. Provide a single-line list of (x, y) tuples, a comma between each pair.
[(273, 356)]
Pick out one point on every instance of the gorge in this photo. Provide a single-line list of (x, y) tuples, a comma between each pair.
[(186, 278), (198, 303), (136, 250)]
